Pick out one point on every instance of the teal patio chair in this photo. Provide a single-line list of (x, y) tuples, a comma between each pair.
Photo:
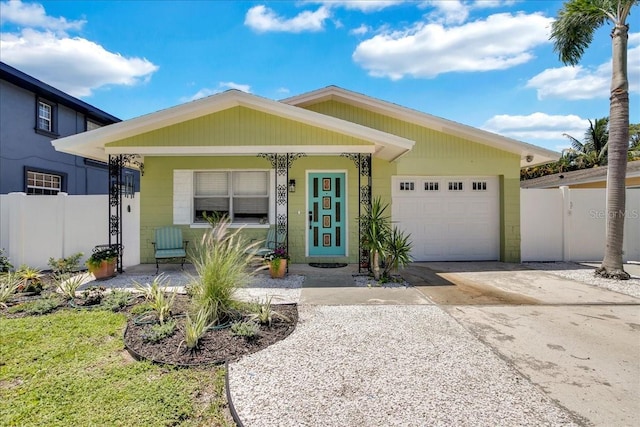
[(168, 245), (269, 244)]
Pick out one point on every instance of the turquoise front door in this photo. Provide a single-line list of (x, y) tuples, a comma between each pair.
[(326, 216)]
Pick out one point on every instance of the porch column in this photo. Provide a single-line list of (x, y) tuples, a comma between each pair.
[(117, 188), (364, 165), (282, 163)]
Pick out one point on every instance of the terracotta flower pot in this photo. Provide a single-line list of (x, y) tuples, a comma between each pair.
[(278, 273), (106, 270)]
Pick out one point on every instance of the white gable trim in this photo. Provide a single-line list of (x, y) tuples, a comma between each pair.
[(244, 150), (91, 144), (530, 155)]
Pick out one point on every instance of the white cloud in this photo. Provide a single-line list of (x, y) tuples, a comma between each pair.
[(263, 19), (74, 65), (361, 30), (575, 83), (498, 42), (34, 15), (457, 11), (451, 12), (222, 86), (539, 126), (365, 6)]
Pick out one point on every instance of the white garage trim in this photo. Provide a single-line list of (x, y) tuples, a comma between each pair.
[(450, 218)]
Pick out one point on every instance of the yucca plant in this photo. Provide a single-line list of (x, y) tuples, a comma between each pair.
[(222, 260), (156, 296), (9, 283), (67, 285), (375, 226), (264, 313), (398, 249), (29, 279), (194, 328)]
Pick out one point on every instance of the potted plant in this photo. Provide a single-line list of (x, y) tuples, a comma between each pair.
[(277, 262), (102, 262)]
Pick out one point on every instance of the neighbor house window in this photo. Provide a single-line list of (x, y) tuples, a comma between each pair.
[(242, 195), (45, 116), (43, 183), (91, 125)]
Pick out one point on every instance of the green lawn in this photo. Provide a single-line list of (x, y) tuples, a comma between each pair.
[(69, 368)]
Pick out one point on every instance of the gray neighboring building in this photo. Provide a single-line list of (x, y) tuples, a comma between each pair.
[(32, 114)]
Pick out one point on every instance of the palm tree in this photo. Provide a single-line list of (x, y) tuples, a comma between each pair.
[(572, 32), (593, 151)]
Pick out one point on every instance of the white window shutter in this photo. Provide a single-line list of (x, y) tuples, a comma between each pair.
[(182, 196)]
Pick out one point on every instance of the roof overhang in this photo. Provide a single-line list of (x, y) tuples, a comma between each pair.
[(530, 155), (92, 144)]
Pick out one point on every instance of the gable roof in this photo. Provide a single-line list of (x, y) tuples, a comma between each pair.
[(92, 144), (582, 176), (530, 155)]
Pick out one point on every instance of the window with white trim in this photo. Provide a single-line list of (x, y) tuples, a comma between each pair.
[(479, 186), (455, 186), (431, 186), (45, 116), (407, 186), (242, 195), (43, 183)]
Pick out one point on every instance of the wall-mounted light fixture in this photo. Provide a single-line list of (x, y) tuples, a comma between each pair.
[(529, 158), (292, 186)]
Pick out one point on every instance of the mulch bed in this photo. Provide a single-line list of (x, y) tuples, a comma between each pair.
[(216, 347)]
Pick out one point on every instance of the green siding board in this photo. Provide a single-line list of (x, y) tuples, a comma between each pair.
[(237, 127)]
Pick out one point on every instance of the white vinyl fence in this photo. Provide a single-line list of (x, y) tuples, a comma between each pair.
[(565, 224), (36, 228)]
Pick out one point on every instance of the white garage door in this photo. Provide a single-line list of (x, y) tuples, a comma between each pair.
[(449, 218)]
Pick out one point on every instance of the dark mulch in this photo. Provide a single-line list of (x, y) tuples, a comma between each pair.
[(216, 347), (328, 264)]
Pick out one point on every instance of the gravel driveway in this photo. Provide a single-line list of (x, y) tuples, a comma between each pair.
[(384, 366)]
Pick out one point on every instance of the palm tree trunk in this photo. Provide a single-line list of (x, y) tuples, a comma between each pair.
[(612, 264), (375, 261)]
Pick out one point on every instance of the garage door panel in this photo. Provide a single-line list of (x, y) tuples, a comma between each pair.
[(454, 225)]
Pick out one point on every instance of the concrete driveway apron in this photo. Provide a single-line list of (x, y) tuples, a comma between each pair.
[(579, 343)]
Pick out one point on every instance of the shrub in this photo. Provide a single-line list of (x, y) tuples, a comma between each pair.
[(158, 332), (62, 266), (247, 329), (38, 306), (222, 260), (5, 265), (116, 300)]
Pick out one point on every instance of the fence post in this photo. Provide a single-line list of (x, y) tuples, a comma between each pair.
[(15, 249), (566, 222)]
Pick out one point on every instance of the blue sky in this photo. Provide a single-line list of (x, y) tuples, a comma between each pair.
[(487, 64)]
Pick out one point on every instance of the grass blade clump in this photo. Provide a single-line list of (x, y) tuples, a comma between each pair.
[(222, 260)]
